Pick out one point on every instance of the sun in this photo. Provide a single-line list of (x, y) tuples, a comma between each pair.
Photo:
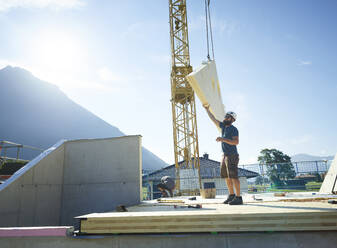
[(57, 56)]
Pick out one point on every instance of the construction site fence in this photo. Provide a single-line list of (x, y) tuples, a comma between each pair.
[(273, 177)]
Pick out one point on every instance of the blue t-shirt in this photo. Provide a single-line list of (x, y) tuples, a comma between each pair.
[(228, 132)]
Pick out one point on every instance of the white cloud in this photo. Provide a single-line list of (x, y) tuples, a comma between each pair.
[(6, 5), (304, 63)]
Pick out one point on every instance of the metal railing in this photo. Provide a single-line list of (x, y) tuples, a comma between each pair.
[(10, 152), (5, 146), (285, 177), (294, 176)]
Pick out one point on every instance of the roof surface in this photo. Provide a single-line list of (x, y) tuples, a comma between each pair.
[(208, 169)]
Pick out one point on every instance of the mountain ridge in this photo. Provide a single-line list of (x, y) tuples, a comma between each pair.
[(39, 114), (307, 157)]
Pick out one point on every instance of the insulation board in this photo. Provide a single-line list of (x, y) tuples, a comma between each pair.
[(329, 184), (205, 83)]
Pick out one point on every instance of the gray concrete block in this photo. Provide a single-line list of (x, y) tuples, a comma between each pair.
[(316, 239), (88, 198), (271, 240), (48, 205), (73, 178), (326, 239), (27, 178), (97, 161), (8, 219), (28, 205), (10, 198), (50, 169)]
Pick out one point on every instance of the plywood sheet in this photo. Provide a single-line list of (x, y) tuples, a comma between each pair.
[(330, 184), (251, 217), (204, 81)]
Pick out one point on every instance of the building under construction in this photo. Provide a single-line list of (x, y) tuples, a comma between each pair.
[(89, 192)]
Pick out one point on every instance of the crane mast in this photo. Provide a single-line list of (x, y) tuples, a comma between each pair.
[(185, 135)]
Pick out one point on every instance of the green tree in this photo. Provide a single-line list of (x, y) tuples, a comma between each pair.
[(261, 180), (318, 177), (279, 166)]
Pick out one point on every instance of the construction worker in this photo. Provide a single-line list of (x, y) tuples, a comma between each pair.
[(166, 186), (229, 164)]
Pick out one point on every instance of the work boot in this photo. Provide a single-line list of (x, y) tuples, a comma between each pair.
[(236, 201), (229, 199)]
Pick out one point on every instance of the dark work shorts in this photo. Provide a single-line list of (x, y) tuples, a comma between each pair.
[(229, 166)]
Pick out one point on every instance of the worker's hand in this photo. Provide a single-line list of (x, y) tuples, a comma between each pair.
[(219, 139), (206, 106)]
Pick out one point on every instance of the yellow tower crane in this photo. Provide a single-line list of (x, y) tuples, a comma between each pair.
[(185, 134)]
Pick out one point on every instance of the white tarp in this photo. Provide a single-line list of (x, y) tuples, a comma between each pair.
[(205, 83), (329, 184)]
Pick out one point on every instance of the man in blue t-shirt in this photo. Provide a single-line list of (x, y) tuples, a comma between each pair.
[(229, 165)]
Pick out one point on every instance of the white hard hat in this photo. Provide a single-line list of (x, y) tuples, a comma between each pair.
[(231, 113)]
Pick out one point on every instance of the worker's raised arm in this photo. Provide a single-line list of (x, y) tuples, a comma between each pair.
[(211, 116)]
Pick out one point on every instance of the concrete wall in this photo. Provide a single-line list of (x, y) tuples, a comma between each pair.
[(73, 178), (33, 192), (99, 175), (326, 239)]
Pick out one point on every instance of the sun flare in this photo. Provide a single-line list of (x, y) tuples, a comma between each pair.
[(58, 56)]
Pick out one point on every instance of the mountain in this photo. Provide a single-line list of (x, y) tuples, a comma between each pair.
[(307, 157), (37, 113)]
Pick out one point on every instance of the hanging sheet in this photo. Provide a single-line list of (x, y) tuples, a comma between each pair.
[(205, 83), (330, 180)]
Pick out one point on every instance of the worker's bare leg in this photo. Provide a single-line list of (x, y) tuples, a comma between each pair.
[(229, 183), (236, 183)]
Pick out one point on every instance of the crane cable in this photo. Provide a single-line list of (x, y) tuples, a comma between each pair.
[(209, 29)]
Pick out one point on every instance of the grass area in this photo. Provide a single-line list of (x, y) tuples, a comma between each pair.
[(310, 186), (313, 186), (285, 190)]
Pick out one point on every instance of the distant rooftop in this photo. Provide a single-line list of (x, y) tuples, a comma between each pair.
[(208, 169)]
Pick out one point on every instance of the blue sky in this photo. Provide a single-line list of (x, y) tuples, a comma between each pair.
[(276, 63)]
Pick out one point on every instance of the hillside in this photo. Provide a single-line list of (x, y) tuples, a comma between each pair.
[(307, 157), (37, 113)]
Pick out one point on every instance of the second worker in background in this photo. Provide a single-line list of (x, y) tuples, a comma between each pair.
[(229, 165)]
